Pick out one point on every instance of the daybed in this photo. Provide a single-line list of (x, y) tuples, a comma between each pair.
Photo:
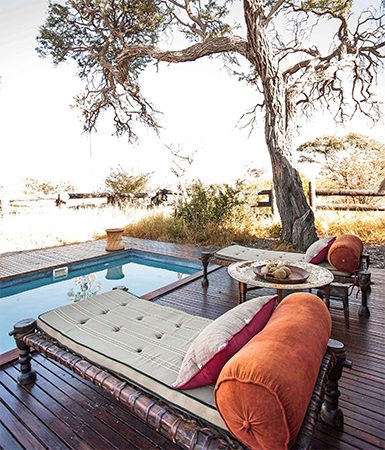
[(358, 274), (134, 348)]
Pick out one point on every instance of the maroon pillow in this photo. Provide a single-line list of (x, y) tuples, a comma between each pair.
[(218, 342), (318, 251)]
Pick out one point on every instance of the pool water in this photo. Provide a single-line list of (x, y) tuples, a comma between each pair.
[(140, 272)]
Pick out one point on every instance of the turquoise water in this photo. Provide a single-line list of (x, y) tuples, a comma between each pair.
[(140, 273)]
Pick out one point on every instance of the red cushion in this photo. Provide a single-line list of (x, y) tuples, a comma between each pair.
[(345, 253), (263, 391), (218, 342), (318, 251)]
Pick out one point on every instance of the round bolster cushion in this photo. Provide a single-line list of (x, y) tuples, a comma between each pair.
[(263, 391), (345, 253)]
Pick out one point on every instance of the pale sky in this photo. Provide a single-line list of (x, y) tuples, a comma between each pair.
[(41, 136)]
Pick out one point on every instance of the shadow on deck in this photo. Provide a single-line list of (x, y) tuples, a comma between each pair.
[(64, 411)]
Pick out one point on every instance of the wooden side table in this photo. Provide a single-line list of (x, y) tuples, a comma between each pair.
[(114, 239)]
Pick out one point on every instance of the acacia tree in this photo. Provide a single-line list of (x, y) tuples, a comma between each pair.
[(353, 161), (120, 181), (293, 70)]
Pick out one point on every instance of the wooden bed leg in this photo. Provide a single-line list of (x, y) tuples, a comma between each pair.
[(205, 258), (331, 413), (20, 330), (364, 283)]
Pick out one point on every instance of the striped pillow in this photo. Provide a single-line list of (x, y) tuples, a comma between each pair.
[(220, 340), (318, 251)]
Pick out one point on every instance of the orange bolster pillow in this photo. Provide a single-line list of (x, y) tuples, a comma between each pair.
[(263, 391), (345, 253)]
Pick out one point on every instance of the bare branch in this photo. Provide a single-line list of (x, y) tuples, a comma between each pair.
[(207, 47), (273, 11)]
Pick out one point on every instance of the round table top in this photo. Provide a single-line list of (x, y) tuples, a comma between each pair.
[(243, 271)]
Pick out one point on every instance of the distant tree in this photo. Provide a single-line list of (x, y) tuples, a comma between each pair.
[(353, 161), (35, 186), (292, 68), (121, 182)]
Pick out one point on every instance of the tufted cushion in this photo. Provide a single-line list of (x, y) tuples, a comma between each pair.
[(345, 253), (318, 251), (218, 342), (140, 340), (263, 391)]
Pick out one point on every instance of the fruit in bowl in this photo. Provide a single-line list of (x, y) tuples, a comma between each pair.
[(276, 269)]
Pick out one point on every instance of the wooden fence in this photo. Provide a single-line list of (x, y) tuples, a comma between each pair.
[(81, 200), (84, 200), (313, 193)]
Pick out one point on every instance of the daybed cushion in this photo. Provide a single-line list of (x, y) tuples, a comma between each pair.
[(263, 391), (345, 253), (140, 340), (241, 253), (218, 342), (318, 251)]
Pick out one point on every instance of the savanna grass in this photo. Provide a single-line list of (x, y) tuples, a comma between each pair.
[(164, 228), (369, 226)]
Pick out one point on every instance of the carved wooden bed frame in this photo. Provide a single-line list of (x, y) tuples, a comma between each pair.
[(183, 429)]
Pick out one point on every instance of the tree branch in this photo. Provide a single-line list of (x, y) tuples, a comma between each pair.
[(274, 9), (210, 46)]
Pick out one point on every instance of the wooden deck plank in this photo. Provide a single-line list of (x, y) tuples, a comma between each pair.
[(101, 399), (56, 423), (61, 392), (7, 440), (56, 408), (17, 428), (115, 433)]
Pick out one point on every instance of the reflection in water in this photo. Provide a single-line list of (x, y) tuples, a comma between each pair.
[(115, 273), (85, 286)]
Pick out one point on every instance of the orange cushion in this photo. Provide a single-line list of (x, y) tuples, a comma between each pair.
[(263, 391), (345, 253)]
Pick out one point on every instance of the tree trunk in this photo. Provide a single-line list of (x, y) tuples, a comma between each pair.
[(297, 218)]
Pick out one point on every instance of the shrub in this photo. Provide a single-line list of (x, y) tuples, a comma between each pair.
[(211, 203)]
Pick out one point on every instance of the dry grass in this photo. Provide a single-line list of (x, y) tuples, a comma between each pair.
[(50, 227), (46, 227), (165, 228), (369, 226)]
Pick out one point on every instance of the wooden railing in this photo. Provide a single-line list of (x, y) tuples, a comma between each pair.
[(314, 193), (353, 193), (81, 200)]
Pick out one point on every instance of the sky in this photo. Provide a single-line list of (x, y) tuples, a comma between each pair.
[(41, 134)]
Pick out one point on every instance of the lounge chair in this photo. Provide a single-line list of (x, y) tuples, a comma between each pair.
[(359, 278), (103, 340)]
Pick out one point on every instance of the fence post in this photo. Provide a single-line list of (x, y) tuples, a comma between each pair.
[(312, 195)]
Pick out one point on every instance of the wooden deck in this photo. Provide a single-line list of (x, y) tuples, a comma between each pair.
[(63, 411)]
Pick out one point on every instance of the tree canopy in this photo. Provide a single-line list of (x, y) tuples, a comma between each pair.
[(353, 161), (295, 66), (120, 181)]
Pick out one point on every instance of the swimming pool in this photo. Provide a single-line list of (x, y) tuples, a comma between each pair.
[(140, 272)]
